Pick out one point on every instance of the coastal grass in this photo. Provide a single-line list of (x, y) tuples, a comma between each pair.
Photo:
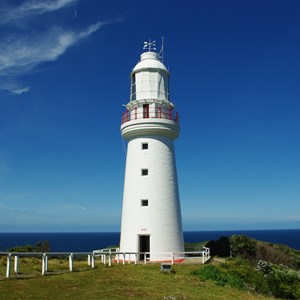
[(115, 282)]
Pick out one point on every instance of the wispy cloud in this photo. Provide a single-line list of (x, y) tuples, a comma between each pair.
[(20, 91), (21, 53), (34, 7), (13, 86)]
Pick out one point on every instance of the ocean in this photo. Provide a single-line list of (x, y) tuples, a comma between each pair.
[(89, 241)]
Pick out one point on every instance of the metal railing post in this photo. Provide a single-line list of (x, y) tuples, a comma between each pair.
[(46, 262), (43, 264), (8, 261), (109, 259), (16, 264), (93, 261), (71, 262)]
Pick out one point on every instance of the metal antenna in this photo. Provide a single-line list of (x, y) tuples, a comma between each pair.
[(161, 52), (149, 45)]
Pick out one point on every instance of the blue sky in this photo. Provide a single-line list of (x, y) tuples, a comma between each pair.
[(64, 75)]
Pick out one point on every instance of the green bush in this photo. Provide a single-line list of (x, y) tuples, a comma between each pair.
[(237, 273), (283, 282), (220, 277), (252, 279), (243, 246)]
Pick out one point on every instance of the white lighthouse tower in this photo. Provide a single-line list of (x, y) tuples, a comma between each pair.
[(151, 215)]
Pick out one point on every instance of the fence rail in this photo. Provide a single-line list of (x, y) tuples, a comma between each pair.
[(105, 255), (44, 258)]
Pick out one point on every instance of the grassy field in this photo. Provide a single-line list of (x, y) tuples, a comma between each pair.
[(116, 282)]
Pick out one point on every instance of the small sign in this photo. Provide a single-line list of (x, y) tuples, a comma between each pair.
[(166, 267)]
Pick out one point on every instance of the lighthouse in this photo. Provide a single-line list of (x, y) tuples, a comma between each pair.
[(151, 215)]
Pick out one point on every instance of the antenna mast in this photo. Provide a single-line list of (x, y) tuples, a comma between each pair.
[(161, 52)]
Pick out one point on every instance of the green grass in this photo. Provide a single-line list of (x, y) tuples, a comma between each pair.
[(116, 282)]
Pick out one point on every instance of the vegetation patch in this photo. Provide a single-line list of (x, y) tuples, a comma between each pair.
[(38, 247), (210, 272), (270, 269)]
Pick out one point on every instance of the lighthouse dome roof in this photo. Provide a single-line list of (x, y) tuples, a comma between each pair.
[(149, 60)]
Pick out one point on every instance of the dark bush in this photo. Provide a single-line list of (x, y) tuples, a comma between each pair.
[(39, 247), (220, 247)]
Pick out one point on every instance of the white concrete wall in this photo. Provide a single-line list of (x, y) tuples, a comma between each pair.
[(162, 218)]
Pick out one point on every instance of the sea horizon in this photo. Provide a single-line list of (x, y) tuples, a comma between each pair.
[(89, 241), (115, 231)]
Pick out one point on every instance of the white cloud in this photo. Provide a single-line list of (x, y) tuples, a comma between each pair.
[(20, 91), (34, 7), (20, 55), (23, 51), (13, 86)]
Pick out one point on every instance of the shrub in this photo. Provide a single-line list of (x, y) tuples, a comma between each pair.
[(220, 277), (283, 282), (219, 247), (272, 253), (264, 266), (252, 279), (24, 248), (243, 246), (39, 247)]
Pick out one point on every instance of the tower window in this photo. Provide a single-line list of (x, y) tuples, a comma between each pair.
[(133, 88), (144, 146), (146, 110), (144, 172), (144, 202)]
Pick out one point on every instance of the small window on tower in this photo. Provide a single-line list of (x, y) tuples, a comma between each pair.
[(144, 202), (144, 172), (144, 146)]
